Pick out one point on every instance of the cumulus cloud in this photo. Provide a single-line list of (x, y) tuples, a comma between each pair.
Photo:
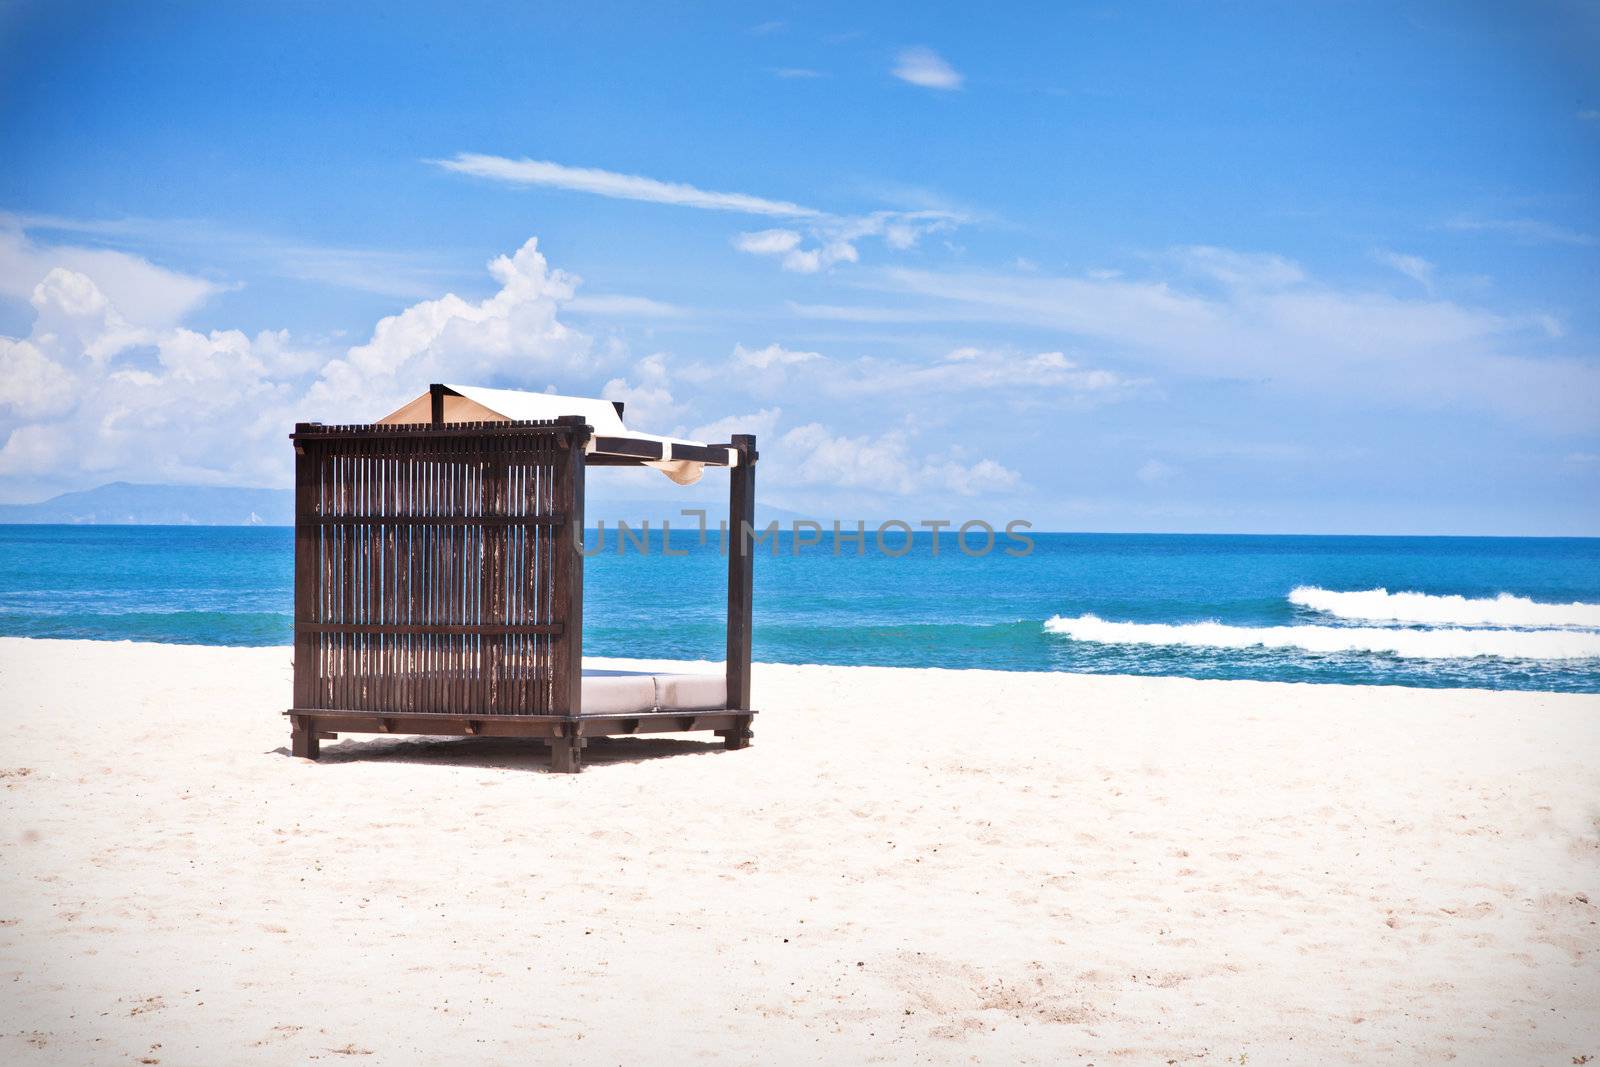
[(93, 389), (95, 393), (513, 332), (927, 68), (647, 400)]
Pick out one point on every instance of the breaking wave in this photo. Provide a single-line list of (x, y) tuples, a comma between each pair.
[(1452, 643), (1380, 605)]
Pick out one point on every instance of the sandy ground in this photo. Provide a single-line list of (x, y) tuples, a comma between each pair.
[(909, 866)]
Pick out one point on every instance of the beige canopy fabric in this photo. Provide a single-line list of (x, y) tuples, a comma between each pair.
[(475, 403)]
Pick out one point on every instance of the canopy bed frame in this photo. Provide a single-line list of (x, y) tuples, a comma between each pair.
[(439, 576)]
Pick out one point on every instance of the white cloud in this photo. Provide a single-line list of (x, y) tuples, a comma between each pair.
[(813, 455), (513, 333), (1154, 472), (837, 237), (774, 355), (615, 185), (91, 390), (1239, 270), (925, 67), (1264, 326), (768, 242), (32, 384), (971, 369), (158, 297), (1527, 231), (102, 396), (809, 261), (1590, 114), (766, 370), (762, 423), (617, 304), (648, 405), (400, 274), (1416, 268)]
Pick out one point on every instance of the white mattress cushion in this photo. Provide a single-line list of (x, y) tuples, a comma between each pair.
[(618, 692), (635, 692), (691, 692)]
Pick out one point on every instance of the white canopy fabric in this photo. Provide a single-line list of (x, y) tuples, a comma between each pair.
[(476, 403)]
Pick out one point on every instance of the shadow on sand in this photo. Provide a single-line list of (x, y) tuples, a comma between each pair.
[(508, 752)]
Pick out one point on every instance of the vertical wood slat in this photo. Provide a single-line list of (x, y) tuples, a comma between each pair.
[(741, 569)]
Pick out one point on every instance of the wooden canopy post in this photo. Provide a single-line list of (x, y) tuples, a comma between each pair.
[(566, 689), (303, 735), (741, 571)]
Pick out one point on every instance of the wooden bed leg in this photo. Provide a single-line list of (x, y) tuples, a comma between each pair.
[(304, 741), (566, 754), (739, 736)]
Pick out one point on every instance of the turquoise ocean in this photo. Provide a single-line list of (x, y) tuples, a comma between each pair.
[(1497, 613)]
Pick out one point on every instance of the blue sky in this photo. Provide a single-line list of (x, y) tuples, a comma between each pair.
[(1301, 268)]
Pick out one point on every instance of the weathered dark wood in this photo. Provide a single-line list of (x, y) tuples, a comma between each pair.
[(566, 754), (485, 629), (659, 722), (415, 600), (738, 735), (566, 689), (439, 585), (305, 578), (414, 521), (628, 446), (635, 450), (442, 436), (436, 397), (304, 740), (741, 569)]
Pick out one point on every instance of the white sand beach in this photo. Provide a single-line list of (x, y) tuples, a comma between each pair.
[(908, 866)]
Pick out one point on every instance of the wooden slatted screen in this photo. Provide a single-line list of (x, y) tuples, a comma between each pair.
[(428, 570)]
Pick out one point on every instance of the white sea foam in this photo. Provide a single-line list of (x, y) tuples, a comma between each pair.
[(1451, 643), (1504, 610)]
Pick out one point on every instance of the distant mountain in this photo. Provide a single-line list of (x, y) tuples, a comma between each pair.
[(127, 504)]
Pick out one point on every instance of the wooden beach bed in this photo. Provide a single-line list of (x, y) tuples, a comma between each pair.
[(439, 576)]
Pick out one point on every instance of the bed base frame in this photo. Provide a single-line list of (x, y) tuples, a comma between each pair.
[(566, 737)]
